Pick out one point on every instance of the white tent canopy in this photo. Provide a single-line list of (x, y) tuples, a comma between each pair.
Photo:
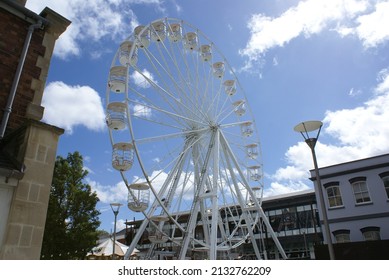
[(105, 249)]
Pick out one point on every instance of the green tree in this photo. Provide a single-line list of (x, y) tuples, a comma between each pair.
[(72, 219)]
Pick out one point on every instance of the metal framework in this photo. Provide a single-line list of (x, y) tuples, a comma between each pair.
[(187, 122)]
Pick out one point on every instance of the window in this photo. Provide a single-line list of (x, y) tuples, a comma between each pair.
[(385, 179), (371, 233), (342, 235), (360, 190), (333, 194)]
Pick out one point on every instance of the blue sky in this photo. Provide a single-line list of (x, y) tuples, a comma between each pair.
[(324, 60)]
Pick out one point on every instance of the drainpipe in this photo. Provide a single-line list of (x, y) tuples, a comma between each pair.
[(15, 83)]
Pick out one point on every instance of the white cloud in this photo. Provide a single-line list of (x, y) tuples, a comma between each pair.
[(354, 92), (290, 186), (307, 18), (68, 106), (358, 133), (119, 192), (383, 81), (120, 224), (92, 20), (364, 128), (141, 111), (373, 28), (109, 194), (141, 80), (368, 20), (66, 44)]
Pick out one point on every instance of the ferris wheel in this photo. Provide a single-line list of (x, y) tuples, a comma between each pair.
[(185, 143)]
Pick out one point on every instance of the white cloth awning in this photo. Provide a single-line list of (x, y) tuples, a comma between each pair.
[(106, 249)]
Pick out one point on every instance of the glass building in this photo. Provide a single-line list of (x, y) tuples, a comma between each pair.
[(293, 217)]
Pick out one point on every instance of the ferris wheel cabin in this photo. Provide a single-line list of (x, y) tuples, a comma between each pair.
[(158, 31), (247, 128), (218, 69), (254, 172), (124, 54), (157, 235), (252, 151), (206, 53), (230, 87), (116, 115), (239, 107), (175, 32), (122, 156), (117, 79), (138, 197), (143, 38)]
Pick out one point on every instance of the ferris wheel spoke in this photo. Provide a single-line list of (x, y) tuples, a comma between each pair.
[(170, 162), (177, 118), (184, 194), (173, 135), (166, 94), (160, 70), (189, 80), (146, 109), (179, 80), (178, 89), (192, 76)]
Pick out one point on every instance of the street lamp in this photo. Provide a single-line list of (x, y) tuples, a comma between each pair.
[(115, 208), (304, 128)]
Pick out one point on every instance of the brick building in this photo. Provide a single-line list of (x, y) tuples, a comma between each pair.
[(27, 145)]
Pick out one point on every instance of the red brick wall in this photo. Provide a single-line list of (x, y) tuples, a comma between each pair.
[(13, 31)]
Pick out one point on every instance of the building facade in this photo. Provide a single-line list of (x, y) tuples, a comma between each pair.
[(27, 145), (357, 203), (293, 217)]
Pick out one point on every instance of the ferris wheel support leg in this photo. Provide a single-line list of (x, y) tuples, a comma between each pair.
[(196, 204), (204, 219), (141, 230), (272, 233), (266, 221), (136, 239), (247, 216), (145, 222), (215, 207)]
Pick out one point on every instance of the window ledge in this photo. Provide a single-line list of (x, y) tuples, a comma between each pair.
[(336, 207), (364, 203)]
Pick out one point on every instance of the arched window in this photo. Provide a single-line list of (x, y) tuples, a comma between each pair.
[(333, 194), (342, 235), (361, 192), (371, 233)]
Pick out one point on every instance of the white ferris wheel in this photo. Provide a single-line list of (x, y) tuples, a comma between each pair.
[(176, 109)]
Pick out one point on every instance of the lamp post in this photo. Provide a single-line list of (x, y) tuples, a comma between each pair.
[(304, 128), (115, 208)]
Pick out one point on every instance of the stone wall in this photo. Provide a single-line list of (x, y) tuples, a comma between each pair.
[(28, 149), (28, 211)]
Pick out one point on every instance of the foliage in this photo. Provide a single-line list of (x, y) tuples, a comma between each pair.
[(72, 219)]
